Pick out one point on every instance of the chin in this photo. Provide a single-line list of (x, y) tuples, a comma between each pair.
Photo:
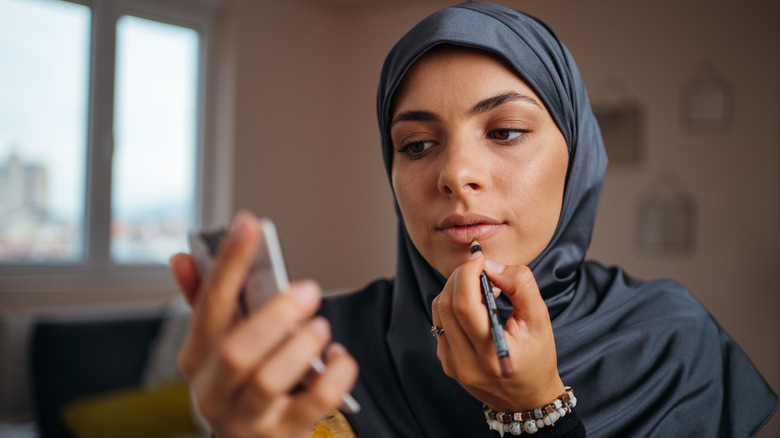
[(447, 267)]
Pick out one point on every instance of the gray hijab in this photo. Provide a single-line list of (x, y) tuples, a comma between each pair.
[(644, 358), (538, 57)]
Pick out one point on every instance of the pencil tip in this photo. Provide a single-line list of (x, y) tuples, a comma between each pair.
[(475, 246)]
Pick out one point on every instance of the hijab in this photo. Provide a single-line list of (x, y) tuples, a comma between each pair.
[(644, 359)]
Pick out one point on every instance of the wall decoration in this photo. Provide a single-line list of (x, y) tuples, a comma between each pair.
[(707, 100), (620, 120), (667, 216)]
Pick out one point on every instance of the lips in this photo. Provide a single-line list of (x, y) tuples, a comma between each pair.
[(462, 229)]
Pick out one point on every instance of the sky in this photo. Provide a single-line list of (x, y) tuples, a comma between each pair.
[(43, 115), (44, 73)]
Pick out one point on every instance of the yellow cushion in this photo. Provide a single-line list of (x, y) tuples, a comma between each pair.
[(158, 412)]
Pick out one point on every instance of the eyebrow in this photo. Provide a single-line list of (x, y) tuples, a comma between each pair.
[(415, 116), (481, 107), (495, 101)]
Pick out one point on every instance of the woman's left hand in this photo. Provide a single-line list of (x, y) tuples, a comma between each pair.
[(466, 348)]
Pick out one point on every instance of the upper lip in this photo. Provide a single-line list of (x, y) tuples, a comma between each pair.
[(465, 220)]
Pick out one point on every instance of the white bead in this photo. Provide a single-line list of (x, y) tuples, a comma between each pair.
[(562, 412), (538, 413), (554, 416), (573, 401), (540, 423), (530, 426), (498, 427), (547, 421), (506, 427), (515, 428)]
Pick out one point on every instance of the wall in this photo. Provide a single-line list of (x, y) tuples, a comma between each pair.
[(307, 148), (306, 151)]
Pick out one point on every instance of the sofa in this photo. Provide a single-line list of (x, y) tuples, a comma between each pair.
[(110, 376)]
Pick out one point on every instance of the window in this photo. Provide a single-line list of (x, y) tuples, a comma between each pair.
[(155, 120), (44, 91), (101, 127)]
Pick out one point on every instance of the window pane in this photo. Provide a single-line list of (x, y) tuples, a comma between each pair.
[(44, 62), (153, 187)]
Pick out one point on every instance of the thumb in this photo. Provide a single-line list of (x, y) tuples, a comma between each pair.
[(185, 272), (519, 283)]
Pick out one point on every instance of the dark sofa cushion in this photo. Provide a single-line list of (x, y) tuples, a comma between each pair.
[(71, 359)]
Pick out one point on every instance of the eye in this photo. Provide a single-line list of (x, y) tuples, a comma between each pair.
[(506, 135), (416, 149)]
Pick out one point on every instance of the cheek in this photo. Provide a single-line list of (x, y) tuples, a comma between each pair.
[(559, 167), (412, 192), (534, 189), (399, 186), (404, 185), (551, 181)]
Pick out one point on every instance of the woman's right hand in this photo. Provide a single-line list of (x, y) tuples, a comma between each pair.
[(466, 348), (242, 371)]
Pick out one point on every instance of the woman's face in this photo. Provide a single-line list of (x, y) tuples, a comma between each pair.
[(477, 156)]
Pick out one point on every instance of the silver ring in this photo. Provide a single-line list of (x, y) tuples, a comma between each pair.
[(435, 331)]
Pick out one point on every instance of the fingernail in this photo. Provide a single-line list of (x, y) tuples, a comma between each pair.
[(321, 327), (336, 348), (493, 268), (306, 293), (239, 228), (475, 255)]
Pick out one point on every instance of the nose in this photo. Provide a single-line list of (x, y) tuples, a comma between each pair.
[(463, 169)]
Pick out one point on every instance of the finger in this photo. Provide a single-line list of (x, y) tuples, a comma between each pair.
[(262, 330), (185, 272), (246, 417), (217, 306), (471, 307), (245, 351), (468, 303), (443, 346), (326, 390), (216, 303), (284, 369), (459, 342), (292, 361), (435, 316), (520, 286)]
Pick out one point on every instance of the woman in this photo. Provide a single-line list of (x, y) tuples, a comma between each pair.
[(487, 134)]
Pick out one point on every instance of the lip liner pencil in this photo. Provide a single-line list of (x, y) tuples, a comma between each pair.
[(495, 324)]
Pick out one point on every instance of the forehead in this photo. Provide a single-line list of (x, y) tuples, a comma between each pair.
[(458, 71)]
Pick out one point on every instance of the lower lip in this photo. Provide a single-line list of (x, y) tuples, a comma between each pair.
[(465, 235)]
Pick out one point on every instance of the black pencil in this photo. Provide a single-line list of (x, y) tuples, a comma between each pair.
[(495, 323)]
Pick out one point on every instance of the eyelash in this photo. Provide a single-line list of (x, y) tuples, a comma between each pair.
[(510, 141), (405, 149)]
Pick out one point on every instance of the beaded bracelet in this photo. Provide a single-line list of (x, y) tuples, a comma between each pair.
[(530, 421)]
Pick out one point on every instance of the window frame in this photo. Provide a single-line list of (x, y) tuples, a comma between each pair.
[(97, 271)]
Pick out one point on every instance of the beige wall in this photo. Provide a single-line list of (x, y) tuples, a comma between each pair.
[(307, 147)]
